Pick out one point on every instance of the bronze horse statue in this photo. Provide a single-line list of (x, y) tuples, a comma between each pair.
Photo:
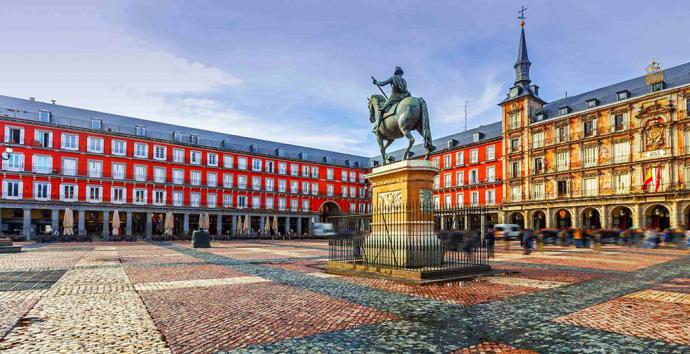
[(410, 114)]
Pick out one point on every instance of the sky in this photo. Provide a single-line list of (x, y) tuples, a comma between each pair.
[(299, 71)]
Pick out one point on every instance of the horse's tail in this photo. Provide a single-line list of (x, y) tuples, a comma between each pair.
[(426, 128)]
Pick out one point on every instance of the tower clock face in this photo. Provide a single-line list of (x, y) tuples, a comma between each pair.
[(513, 92)]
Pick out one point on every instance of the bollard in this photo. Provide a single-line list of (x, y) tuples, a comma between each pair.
[(540, 246), (506, 243)]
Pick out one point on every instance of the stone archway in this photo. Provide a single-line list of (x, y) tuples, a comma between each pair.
[(621, 218), (686, 216), (563, 219), (591, 218), (327, 210), (538, 220), (517, 218), (658, 216)]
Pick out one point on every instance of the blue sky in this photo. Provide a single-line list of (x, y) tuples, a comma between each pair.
[(299, 71)]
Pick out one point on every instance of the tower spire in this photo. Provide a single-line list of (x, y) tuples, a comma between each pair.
[(522, 64)]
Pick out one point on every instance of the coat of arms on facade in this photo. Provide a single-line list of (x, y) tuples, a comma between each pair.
[(390, 200), (654, 73), (655, 135)]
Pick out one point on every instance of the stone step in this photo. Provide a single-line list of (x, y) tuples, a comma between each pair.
[(10, 249), (5, 242)]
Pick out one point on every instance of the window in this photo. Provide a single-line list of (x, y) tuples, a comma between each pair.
[(94, 144), (563, 110), (474, 198), (589, 156), (256, 202), (282, 168), (474, 176), (538, 190), (177, 176), (140, 173), (343, 191), (618, 122), (160, 152), (227, 200), (270, 167), (281, 203), (140, 130), (69, 166), (118, 170), (293, 204), (141, 150), (269, 184), (490, 197), (589, 186), (448, 201), (241, 201), (212, 179), (514, 144), (621, 183), (314, 172), (294, 187), (361, 178), (538, 165), (514, 121), (211, 200), (119, 147), (228, 161), (329, 174), (269, 202), (94, 194), (177, 136), (194, 139), (474, 156), (306, 205), (212, 159), (41, 190), (315, 189), (490, 153), (623, 95), (43, 138), (459, 199), (256, 183), (68, 192), (516, 193), (591, 103), (515, 169), (256, 165), (159, 174), (589, 127), (95, 169), (435, 162), (44, 116), (117, 195), (158, 197), (178, 198), (562, 134), (69, 141), (353, 208), (305, 187), (446, 161), (562, 161), (437, 184), (537, 140), (460, 178), (195, 199), (562, 188), (242, 182), (459, 158), (621, 152), (178, 155), (353, 177), (242, 163), (195, 157), (228, 180), (42, 164), (343, 176), (282, 186), (490, 174), (329, 190), (195, 178), (447, 180)]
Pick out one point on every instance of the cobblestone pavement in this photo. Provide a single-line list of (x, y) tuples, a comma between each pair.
[(274, 296)]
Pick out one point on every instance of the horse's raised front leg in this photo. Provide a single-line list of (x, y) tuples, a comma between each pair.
[(384, 157), (410, 139)]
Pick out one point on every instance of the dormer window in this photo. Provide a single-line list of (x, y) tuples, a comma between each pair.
[(327, 159), (477, 136), (539, 117), (140, 130), (356, 164), (450, 143), (44, 116), (564, 110), (225, 144), (96, 124), (623, 95), (592, 103), (658, 86), (254, 148), (193, 139), (177, 136), (348, 163), (303, 156), (281, 152)]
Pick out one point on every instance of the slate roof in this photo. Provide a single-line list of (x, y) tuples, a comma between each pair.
[(81, 118), (673, 77), (489, 131)]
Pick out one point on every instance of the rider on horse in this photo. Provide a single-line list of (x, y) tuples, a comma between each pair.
[(398, 93)]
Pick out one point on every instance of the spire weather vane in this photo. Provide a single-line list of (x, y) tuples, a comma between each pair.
[(522, 15)]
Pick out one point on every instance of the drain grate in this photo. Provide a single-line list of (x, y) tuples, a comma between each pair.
[(38, 280)]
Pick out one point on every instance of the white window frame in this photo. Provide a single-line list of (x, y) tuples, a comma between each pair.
[(141, 150), (89, 196), (178, 155), (42, 169), (75, 190), (123, 194), (114, 147), (39, 185), (160, 152), (143, 193), (138, 176), (65, 137), (6, 189), (94, 144), (195, 157)]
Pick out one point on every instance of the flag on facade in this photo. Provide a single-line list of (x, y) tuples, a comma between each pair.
[(658, 178), (648, 179)]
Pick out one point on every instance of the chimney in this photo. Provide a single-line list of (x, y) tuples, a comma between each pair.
[(52, 101), (32, 99)]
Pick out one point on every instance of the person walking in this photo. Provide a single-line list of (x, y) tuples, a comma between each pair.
[(527, 241), (578, 238), (490, 240)]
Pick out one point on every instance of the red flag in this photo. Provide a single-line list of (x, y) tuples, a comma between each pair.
[(658, 178)]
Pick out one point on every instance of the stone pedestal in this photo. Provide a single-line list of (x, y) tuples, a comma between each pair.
[(402, 229)]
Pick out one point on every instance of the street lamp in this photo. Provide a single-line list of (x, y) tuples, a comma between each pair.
[(6, 154)]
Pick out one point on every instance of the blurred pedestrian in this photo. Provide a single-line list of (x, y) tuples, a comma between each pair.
[(490, 240), (527, 241), (578, 238)]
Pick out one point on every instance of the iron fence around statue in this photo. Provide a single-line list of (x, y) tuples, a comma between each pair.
[(431, 240)]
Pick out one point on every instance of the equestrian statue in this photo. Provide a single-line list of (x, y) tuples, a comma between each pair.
[(398, 115)]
